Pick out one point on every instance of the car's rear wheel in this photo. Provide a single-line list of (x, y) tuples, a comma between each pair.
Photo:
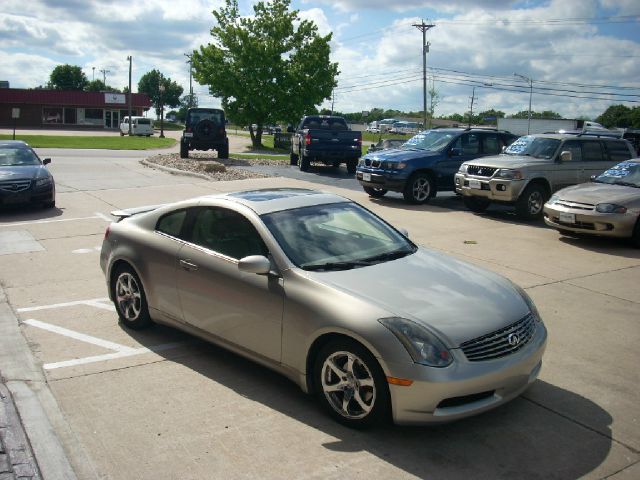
[(476, 204), (293, 159), (224, 152), (129, 298), (305, 162), (419, 188), (184, 150), (351, 384), (531, 202), (635, 238), (352, 164), (375, 191)]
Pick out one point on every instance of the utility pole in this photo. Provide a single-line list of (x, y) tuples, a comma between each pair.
[(130, 58), (189, 55), (93, 76), (473, 97), (530, 81), (425, 48), (104, 76), (333, 99)]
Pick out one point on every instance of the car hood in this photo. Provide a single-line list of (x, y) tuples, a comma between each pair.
[(594, 193), (400, 155), (508, 161), (22, 172), (456, 300)]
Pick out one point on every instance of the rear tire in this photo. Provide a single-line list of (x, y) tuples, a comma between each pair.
[(635, 238), (129, 298), (223, 153), (375, 192), (531, 202), (352, 163), (305, 162), (419, 189), (184, 150), (476, 204)]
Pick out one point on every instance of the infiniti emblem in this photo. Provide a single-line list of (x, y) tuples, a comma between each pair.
[(513, 339)]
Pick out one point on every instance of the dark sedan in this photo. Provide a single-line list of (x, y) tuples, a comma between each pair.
[(24, 178)]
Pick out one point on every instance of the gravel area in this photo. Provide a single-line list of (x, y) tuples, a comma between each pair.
[(207, 163)]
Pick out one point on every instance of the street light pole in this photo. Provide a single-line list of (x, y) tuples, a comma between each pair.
[(130, 94), (188, 55), (161, 88), (530, 81)]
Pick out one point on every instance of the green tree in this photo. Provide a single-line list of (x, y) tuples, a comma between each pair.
[(150, 85), (545, 114), (619, 116), (67, 77), (267, 67), (99, 86), (181, 113)]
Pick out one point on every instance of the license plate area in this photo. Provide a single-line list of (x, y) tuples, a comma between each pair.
[(475, 184), (188, 134), (16, 199), (366, 177), (567, 217)]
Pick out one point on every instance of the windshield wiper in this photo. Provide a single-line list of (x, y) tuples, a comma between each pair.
[(389, 256), (335, 265)]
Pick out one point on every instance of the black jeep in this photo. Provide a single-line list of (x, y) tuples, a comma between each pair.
[(204, 130)]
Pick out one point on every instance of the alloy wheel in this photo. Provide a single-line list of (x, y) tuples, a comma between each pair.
[(128, 296)]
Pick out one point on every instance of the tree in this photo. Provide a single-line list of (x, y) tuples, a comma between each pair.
[(99, 86), (150, 84), (620, 116), (67, 77), (181, 114), (545, 114), (266, 68)]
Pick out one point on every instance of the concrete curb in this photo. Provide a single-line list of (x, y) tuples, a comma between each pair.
[(36, 408), (175, 171)]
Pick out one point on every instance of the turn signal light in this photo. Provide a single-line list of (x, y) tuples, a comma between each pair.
[(403, 382)]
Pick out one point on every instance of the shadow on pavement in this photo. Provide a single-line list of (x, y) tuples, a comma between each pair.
[(535, 436), (28, 213)]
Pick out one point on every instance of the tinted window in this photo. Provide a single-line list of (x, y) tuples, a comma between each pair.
[(492, 144), (171, 223), (469, 144), (10, 156), (618, 150), (215, 116), (226, 232), (575, 148), (592, 152)]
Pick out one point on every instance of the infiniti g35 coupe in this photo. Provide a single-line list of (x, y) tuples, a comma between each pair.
[(327, 293)]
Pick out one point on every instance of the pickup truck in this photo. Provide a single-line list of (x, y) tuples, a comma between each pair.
[(326, 139)]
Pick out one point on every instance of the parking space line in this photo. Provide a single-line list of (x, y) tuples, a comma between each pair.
[(36, 222), (94, 302)]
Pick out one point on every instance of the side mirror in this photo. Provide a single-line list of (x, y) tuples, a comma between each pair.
[(565, 156), (455, 152), (46, 161), (257, 264)]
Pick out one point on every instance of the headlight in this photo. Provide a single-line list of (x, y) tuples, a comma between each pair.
[(509, 174), (463, 168), (41, 182), (424, 347), (393, 165), (610, 208), (527, 299)]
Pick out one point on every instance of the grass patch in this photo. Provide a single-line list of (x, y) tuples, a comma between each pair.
[(247, 156), (98, 142)]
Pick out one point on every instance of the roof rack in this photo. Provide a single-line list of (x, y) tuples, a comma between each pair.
[(593, 132)]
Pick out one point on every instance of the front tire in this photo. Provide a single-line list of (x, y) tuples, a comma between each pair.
[(351, 384), (223, 153), (419, 189), (635, 238), (531, 202), (476, 204), (293, 159), (129, 298), (375, 192)]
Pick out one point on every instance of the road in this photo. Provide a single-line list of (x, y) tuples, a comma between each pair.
[(159, 404)]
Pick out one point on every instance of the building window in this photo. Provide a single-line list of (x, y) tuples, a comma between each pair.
[(52, 115), (70, 116), (90, 116)]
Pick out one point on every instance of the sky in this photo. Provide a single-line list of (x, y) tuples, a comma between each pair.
[(573, 57)]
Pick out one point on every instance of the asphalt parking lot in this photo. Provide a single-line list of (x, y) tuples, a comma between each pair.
[(160, 404)]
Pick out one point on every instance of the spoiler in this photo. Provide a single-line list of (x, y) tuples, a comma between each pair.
[(129, 212)]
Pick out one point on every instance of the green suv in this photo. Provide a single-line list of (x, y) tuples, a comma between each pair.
[(205, 130), (535, 166)]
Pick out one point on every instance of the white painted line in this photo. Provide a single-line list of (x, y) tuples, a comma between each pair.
[(94, 302), (106, 218), (104, 306), (112, 356), (35, 222), (80, 336), (87, 250)]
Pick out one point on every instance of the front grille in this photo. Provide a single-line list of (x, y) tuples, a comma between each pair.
[(14, 186), (480, 171), (578, 224), (575, 205), (372, 163), (501, 342), (465, 400)]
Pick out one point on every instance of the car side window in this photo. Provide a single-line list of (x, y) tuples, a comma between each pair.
[(227, 232), (469, 144), (618, 150), (492, 144), (592, 152), (575, 148), (171, 223)]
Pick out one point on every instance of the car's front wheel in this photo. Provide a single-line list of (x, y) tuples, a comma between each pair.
[(531, 202), (419, 188), (351, 384), (635, 238), (375, 191), (129, 298)]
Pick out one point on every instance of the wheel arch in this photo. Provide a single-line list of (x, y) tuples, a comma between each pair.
[(121, 262), (542, 182)]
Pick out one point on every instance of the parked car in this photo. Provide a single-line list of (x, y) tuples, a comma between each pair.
[(328, 294), (609, 206), (534, 167), (205, 129), (372, 129), (24, 178), (327, 139), (426, 163), (139, 126)]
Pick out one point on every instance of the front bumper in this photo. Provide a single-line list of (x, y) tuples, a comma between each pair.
[(377, 178), (495, 189), (590, 222), (464, 388), (32, 195)]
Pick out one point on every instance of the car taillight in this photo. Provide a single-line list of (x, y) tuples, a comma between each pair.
[(189, 129), (307, 139)]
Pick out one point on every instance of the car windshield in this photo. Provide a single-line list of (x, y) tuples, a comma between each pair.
[(10, 156), (625, 173), (533, 147), (429, 140), (337, 236)]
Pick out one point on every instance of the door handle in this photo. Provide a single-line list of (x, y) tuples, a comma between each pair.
[(192, 267)]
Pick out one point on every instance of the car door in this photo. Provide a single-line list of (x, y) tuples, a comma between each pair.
[(216, 297), (567, 172), (466, 147), (595, 160)]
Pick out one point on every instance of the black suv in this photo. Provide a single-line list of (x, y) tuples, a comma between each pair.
[(205, 130)]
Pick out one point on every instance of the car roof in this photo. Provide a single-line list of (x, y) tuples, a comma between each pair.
[(13, 143), (271, 200)]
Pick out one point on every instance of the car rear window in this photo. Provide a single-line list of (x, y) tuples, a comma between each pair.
[(216, 118), (171, 223), (144, 121), (618, 150)]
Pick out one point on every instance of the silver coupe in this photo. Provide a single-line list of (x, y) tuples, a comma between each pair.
[(325, 292)]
